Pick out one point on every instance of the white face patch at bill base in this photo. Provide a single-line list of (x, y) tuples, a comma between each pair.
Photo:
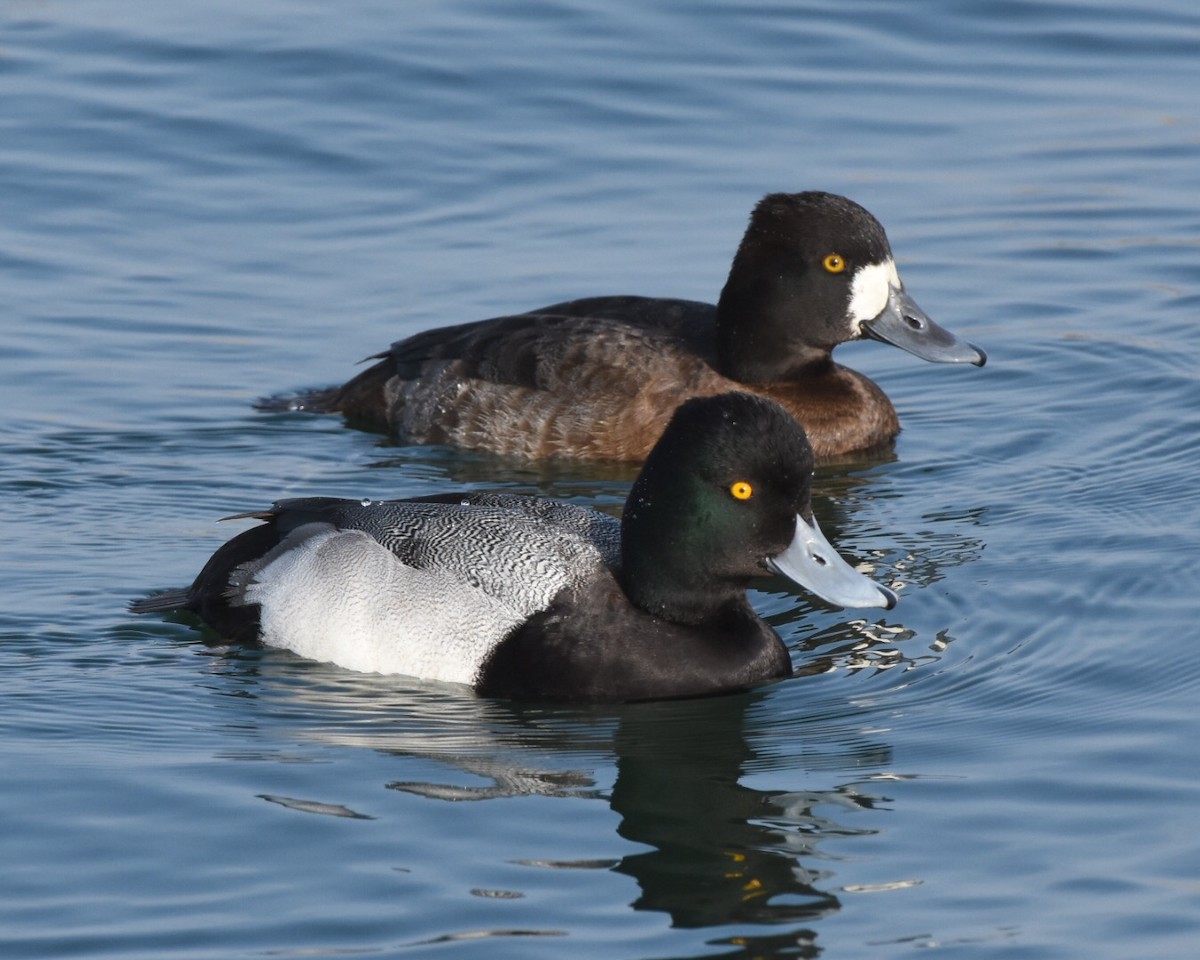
[(869, 292)]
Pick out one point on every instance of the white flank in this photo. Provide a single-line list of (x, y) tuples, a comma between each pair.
[(341, 598)]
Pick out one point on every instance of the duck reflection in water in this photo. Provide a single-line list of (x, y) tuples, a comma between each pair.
[(718, 852)]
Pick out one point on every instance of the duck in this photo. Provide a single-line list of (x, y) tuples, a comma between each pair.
[(532, 598), (597, 378)]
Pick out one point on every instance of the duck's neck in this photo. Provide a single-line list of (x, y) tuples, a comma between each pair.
[(676, 600), (756, 334)]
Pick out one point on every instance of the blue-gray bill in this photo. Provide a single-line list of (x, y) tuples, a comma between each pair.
[(812, 562), (905, 325)]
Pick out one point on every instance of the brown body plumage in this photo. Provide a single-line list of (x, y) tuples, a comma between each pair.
[(604, 397)]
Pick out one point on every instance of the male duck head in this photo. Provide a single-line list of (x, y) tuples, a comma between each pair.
[(723, 498), (815, 270)]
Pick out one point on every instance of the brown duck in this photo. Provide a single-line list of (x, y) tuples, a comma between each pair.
[(598, 378)]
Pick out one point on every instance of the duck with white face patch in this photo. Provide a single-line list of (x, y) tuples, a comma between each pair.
[(596, 379)]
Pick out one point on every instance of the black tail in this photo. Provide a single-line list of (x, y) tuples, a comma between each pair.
[(162, 602)]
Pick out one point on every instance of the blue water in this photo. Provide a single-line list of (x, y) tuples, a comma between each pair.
[(206, 203)]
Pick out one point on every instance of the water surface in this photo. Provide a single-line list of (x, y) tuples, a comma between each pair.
[(206, 203)]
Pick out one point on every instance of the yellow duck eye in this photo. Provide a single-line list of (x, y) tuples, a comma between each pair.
[(741, 490), (834, 263)]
